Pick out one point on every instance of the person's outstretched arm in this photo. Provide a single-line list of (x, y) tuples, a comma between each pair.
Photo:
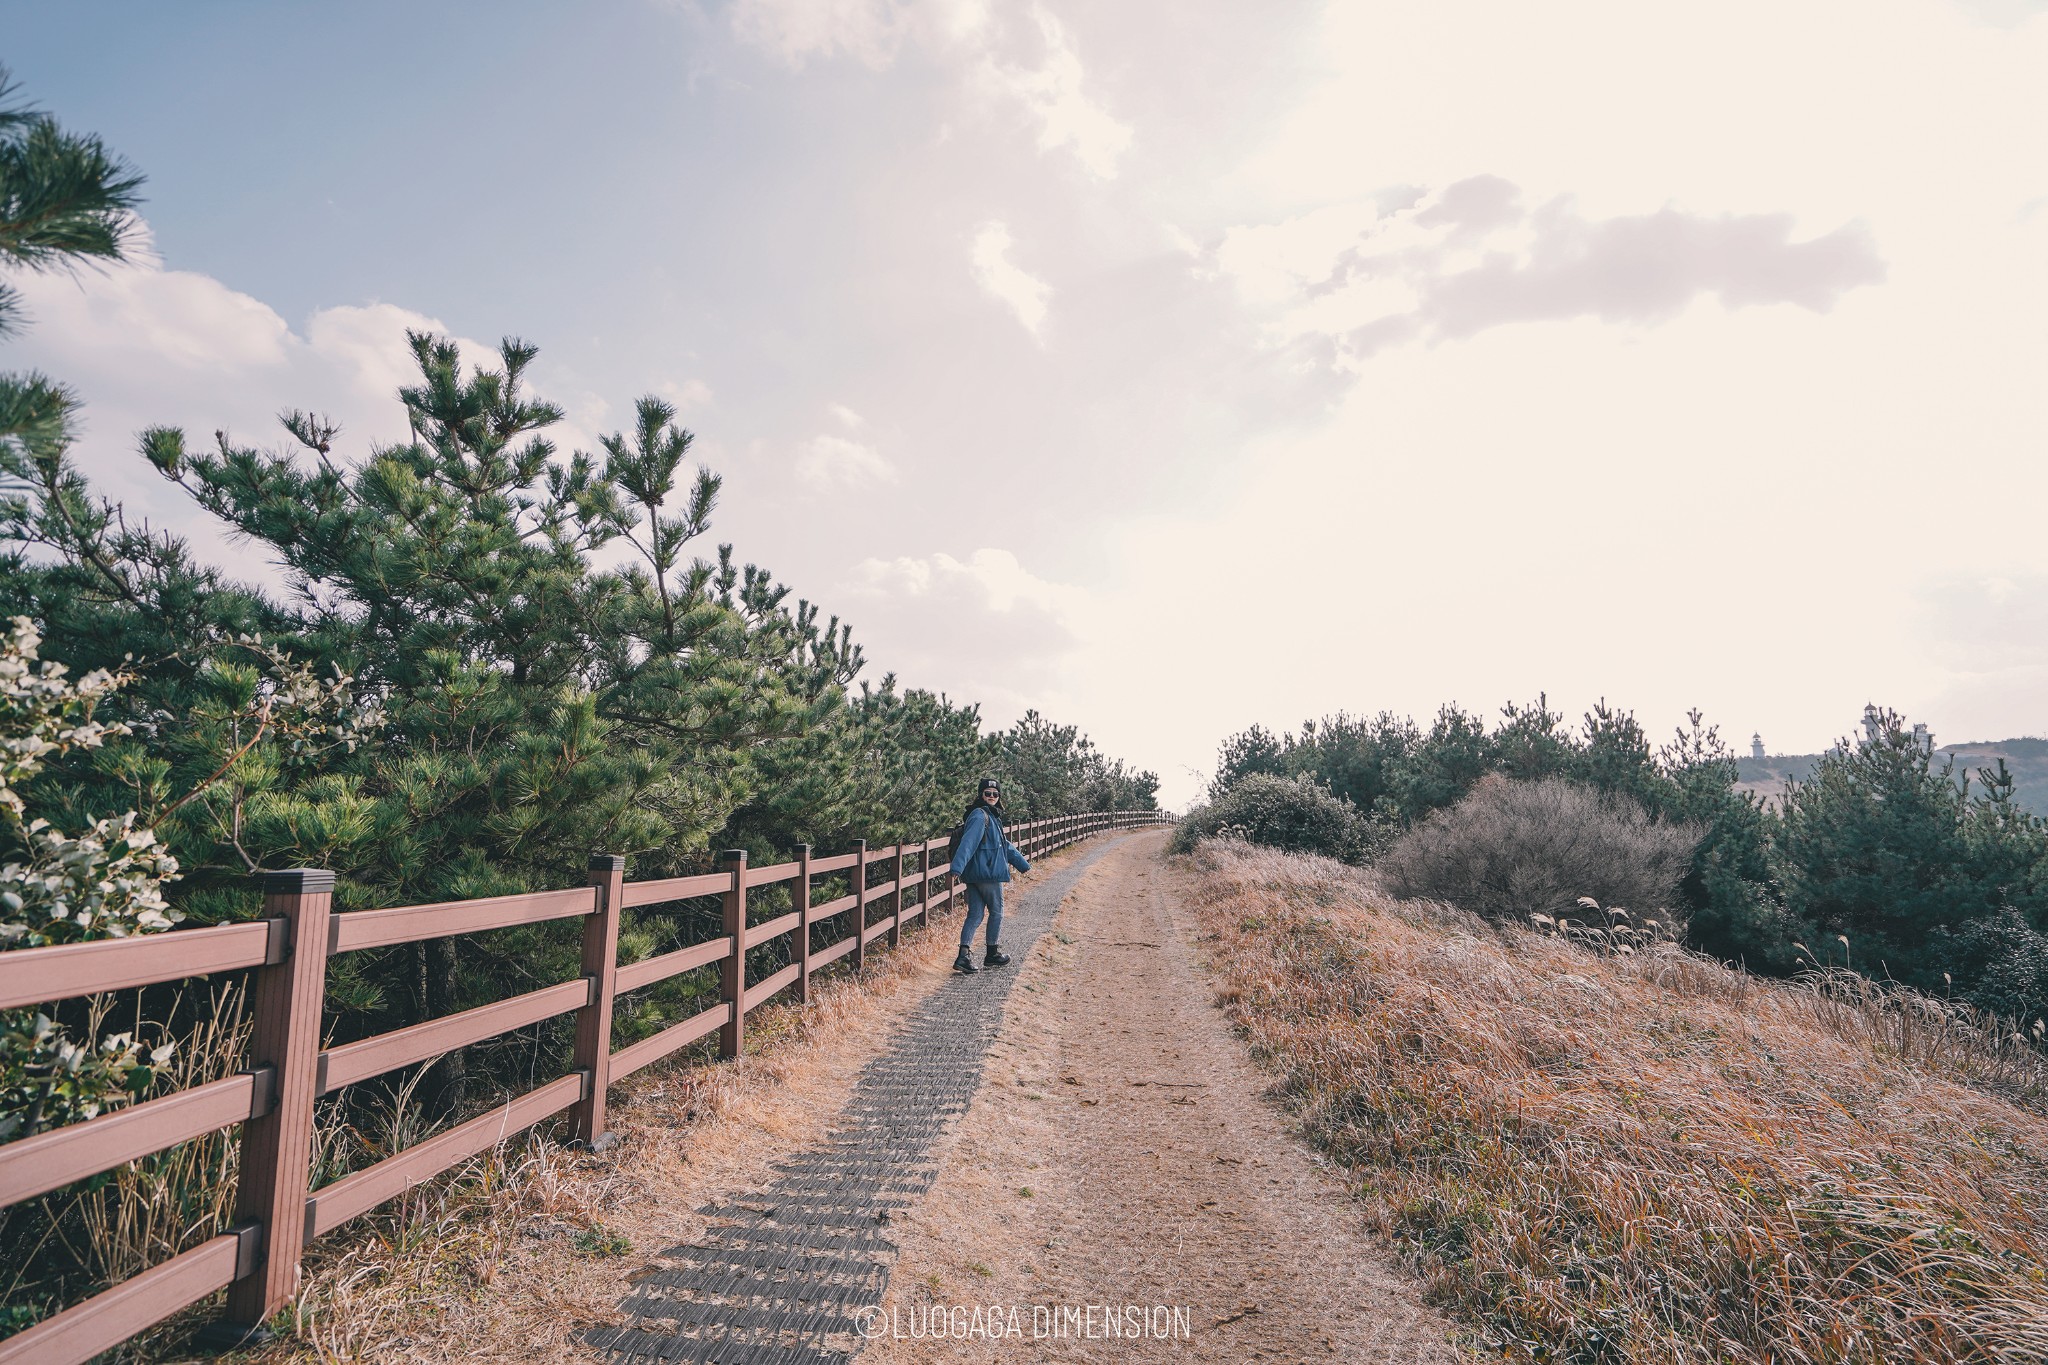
[(1017, 860)]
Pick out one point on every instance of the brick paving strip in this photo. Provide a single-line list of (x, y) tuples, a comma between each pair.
[(779, 1275)]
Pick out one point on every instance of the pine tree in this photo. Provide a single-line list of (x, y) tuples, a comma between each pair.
[(1445, 763), (1255, 750), (537, 707), (1873, 847), (65, 201), (1355, 758), (1730, 892)]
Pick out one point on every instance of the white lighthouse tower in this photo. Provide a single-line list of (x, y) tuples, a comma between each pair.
[(1756, 745)]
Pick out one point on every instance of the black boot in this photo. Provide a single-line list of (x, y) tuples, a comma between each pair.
[(995, 957), (965, 962)]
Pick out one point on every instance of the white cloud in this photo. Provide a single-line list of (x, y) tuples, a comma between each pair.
[(984, 628), (987, 579), (871, 32), (868, 31), (1448, 265), (1026, 295), (828, 462), (144, 345), (1052, 93), (690, 393), (2004, 13), (1049, 87)]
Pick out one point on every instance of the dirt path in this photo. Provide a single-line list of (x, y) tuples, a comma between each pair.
[(784, 1269), (1118, 1154)]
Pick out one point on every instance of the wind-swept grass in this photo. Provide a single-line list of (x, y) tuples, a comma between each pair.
[(1644, 1156)]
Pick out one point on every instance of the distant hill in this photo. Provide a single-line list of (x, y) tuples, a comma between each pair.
[(1768, 777), (2027, 759)]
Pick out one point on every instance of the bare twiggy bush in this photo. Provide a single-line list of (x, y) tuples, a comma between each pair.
[(1646, 1156), (1512, 849)]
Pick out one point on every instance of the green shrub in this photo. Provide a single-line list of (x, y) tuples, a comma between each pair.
[(1292, 813), (2002, 958)]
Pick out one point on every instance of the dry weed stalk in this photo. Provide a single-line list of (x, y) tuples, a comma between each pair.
[(1943, 1037), (150, 1210), (1645, 1156)]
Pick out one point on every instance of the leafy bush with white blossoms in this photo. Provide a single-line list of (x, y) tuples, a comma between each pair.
[(47, 1079), (106, 882)]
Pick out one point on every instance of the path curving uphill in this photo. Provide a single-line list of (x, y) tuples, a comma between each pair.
[(781, 1275), (1119, 1156), (1065, 1160)]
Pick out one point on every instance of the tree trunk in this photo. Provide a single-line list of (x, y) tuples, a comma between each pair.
[(447, 1082)]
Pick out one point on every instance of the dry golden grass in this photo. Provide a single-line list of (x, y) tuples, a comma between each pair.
[(150, 1210), (1645, 1157)]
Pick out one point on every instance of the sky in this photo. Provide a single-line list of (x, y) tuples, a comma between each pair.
[(1168, 368)]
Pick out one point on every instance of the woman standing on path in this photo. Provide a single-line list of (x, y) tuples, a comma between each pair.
[(983, 859)]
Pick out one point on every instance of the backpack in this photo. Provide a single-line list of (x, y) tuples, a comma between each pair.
[(953, 838)]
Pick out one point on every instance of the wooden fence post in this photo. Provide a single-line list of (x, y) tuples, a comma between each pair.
[(860, 904), (277, 1149), (803, 924), (594, 1020), (733, 974), (896, 906)]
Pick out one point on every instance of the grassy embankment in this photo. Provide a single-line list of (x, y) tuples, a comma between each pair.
[(1645, 1157)]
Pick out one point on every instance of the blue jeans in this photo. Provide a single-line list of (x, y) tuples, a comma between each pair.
[(983, 897)]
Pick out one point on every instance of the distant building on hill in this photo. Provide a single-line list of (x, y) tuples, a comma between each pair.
[(1873, 731), (2025, 759)]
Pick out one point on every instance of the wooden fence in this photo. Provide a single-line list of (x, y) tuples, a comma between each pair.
[(276, 1213)]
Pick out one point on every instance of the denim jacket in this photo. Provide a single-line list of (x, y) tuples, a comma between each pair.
[(984, 854)]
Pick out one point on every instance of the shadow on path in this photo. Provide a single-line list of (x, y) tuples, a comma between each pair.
[(781, 1272)]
